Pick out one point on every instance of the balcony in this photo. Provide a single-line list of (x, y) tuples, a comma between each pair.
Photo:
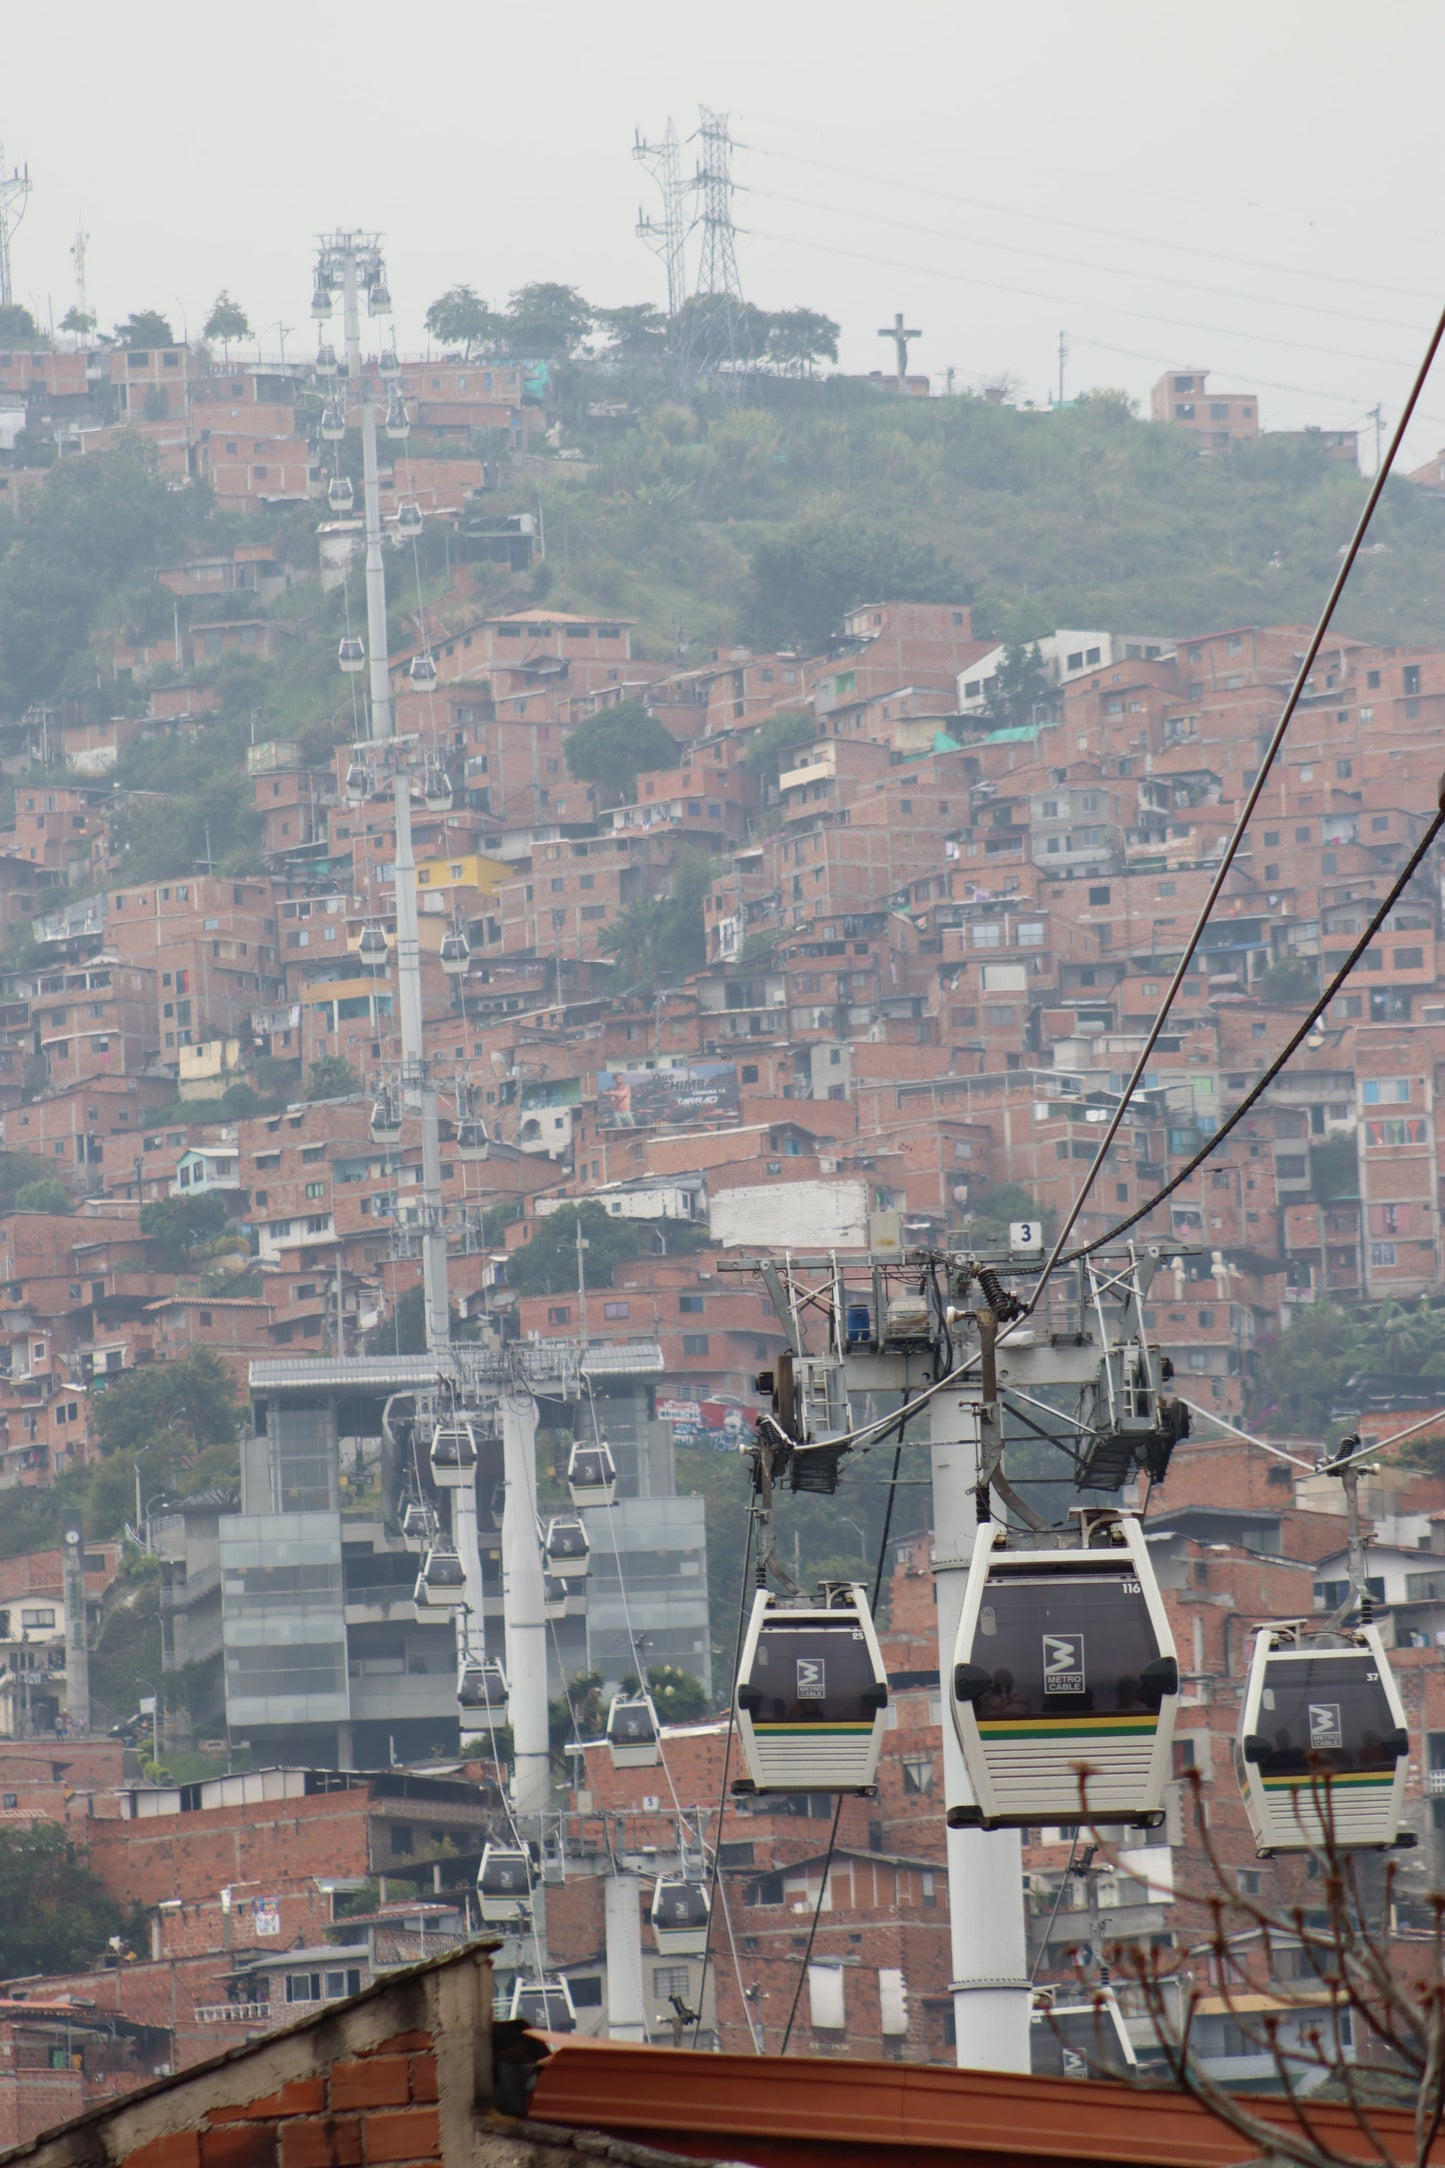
[(233, 2013)]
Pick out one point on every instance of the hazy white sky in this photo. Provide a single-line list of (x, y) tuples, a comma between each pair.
[(1252, 188)]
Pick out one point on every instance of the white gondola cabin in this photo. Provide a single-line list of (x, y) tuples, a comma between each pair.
[(351, 655), (326, 362), (385, 1123), (398, 422), (358, 781), (388, 363), (456, 955), (554, 1596), (565, 1543), (422, 670), (442, 1583), (1322, 1739), (505, 1881), (812, 1692), (592, 1474), (453, 1455), (340, 493), (373, 948), (633, 1732), (1064, 1664), (333, 422), (680, 1912), (1074, 2034), (437, 786), (482, 1694), (378, 297), (409, 522), (545, 2004), (418, 1522), (473, 1141)]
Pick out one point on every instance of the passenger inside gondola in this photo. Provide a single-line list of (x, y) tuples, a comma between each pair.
[(1326, 1717)]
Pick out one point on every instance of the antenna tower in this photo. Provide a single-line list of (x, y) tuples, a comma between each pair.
[(719, 307), (77, 250), (14, 191)]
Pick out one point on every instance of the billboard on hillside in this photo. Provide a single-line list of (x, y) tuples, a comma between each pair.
[(655, 1098)]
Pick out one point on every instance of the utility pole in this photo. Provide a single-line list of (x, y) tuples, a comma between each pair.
[(77, 1645), (582, 1280), (14, 196), (1063, 357), (77, 251), (900, 333), (1377, 416)]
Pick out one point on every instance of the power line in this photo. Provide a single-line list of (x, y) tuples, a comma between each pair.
[(1073, 225), (1045, 255), (1071, 302), (1291, 1046), (1252, 797)]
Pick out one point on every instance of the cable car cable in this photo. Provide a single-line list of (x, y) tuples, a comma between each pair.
[(744, 1592), (1286, 1053), (1251, 800)]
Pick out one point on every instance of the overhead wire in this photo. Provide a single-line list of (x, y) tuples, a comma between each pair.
[(1291, 1046), (1251, 800)]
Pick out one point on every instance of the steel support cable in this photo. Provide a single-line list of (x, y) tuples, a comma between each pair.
[(1252, 798), (743, 1594), (1286, 1053), (838, 1803)]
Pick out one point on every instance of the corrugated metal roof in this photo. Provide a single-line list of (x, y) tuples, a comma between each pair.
[(352, 1371)]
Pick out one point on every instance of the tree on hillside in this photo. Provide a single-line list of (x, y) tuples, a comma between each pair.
[(798, 339), (227, 321), (48, 1194), (1017, 690), (637, 333), (783, 732), (1291, 981), (182, 1407), (547, 1265), (804, 578), (657, 939), (460, 317), (17, 325), (145, 327), (55, 1915), (676, 1695), (182, 1226), (613, 746), (20, 1171), (331, 1076), (546, 322), (81, 322)]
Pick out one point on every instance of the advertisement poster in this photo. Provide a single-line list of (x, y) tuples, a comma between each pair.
[(657, 1098)]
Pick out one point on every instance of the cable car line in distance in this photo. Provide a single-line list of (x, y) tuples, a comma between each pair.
[(1252, 797)]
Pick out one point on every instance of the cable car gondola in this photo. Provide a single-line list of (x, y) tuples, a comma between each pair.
[(566, 1546), (436, 786), (321, 301), (482, 1694), (385, 1124), (378, 297), (326, 362), (398, 422), (388, 363), (473, 1143), (351, 655), (633, 1732), (504, 1882), (1322, 1740), (333, 422), (372, 948), (408, 521), (340, 494), (554, 1596), (1064, 1662), (418, 1522), (441, 1583), (456, 955), (1079, 2038), (592, 1474), (679, 1916), (453, 1455), (358, 778), (545, 2004), (811, 1693)]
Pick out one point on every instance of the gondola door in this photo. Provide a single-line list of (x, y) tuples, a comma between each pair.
[(1322, 1738), (1064, 1683)]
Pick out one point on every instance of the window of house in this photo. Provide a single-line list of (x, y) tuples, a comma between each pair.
[(617, 1309), (560, 1314), (694, 1343), (692, 1304)]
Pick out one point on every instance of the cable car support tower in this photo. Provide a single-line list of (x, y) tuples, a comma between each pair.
[(947, 1339)]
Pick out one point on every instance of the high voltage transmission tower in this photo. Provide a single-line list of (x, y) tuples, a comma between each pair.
[(14, 191), (667, 238), (718, 308)]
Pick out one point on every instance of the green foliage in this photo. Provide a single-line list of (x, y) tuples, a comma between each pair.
[(1334, 1170), (677, 1696), (18, 1171), (55, 1915), (79, 321), (227, 321), (1291, 982), (991, 1213), (547, 1265), (636, 334), (578, 1714), (76, 543), (804, 579), (145, 327), (17, 326), (331, 1077), (661, 938), (782, 733), (460, 317), (178, 1408), (613, 746), (1304, 1372), (1017, 689), (182, 1226), (546, 322), (46, 1195)]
